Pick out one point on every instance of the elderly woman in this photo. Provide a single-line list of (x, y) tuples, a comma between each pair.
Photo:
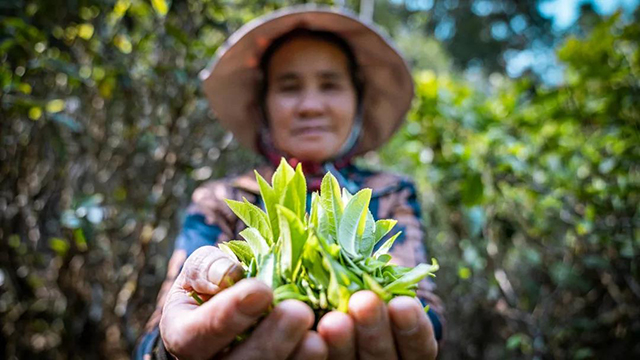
[(317, 87)]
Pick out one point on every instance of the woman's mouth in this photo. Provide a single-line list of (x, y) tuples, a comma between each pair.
[(310, 130)]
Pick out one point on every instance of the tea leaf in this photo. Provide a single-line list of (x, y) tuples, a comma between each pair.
[(296, 194), (241, 249), (337, 294), (227, 250), (270, 199), (346, 196), (286, 292), (353, 221), (366, 243), (385, 258), (371, 284), (267, 271), (315, 208), (383, 227), (257, 243), (331, 203), (281, 178), (292, 240), (312, 261), (373, 264), (410, 278), (324, 226), (384, 249), (405, 292), (253, 216)]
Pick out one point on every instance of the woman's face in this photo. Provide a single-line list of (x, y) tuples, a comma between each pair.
[(310, 100)]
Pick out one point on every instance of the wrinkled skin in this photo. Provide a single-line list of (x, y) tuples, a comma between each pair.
[(192, 331), (371, 329), (311, 100)]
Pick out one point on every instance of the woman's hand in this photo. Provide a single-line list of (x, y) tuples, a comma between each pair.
[(192, 331), (373, 330)]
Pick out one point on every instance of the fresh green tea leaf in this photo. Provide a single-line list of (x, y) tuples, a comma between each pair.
[(373, 264), (324, 226), (281, 178), (346, 196), (315, 208), (405, 292), (241, 249), (296, 194), (384, 249), (256, 242), (253, 216), (267, 271), (371, 284), (411, 278), (270, 200), (337, 294), (331, 203), (292, 240), (227, 250), (312, 261), (353, 221), (383, 227), (366, 241), (286, 292)]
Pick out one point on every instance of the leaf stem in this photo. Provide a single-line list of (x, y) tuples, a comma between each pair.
[(197, 298)]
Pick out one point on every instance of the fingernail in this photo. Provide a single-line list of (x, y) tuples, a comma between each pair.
[(405, 318), (369, 317), (291, 320), (287, 327), (219, 269), (254, 304)]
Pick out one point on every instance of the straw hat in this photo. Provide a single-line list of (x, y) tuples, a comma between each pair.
[(232, 80)]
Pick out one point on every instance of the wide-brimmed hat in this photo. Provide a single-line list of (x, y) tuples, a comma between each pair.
[(233, 79)]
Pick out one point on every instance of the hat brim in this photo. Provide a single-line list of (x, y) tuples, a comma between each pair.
[(232, 80)]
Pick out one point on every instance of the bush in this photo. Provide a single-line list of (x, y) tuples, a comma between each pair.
[(531, 200)]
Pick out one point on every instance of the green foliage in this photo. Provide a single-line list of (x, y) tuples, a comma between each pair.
[(531, 197), (530, 194), (298, 264)]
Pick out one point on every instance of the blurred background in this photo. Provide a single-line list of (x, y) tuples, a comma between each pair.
[(523, 138)]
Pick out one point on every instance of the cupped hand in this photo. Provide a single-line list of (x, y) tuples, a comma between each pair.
[(373, 330), (192, 331)]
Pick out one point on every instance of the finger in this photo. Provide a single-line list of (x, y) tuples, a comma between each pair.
[(208, 270), (412, 329), (374, 338), (189, 330), (338, 331), (278, 334), (312, 347)]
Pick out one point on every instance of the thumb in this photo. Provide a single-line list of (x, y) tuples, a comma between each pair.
[(208, 270)]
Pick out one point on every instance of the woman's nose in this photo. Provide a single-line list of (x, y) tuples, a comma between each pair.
[(311, 104)]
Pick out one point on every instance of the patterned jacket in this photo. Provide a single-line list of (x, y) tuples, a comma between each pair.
[(209, 221)]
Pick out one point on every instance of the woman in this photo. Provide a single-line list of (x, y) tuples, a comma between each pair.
[(317, 87)]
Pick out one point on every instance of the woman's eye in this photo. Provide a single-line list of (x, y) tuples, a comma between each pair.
[(289, 87), (330, 86)]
